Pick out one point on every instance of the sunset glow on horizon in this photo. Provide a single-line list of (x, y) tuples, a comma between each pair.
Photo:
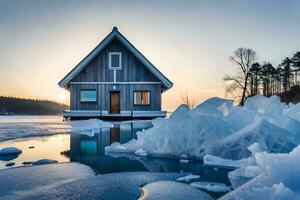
[(188, 42)]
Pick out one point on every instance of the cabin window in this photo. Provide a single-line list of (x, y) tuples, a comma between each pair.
[(141, 98), (88, 96), (115, 60)]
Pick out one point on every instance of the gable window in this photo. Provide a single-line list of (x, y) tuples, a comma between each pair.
[(88, 96), (115, 60), (141, 98)]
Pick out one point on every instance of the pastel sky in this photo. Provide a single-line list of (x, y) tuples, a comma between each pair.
[(189, 41)]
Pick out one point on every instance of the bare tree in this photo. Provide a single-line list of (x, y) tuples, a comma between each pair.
[(243, 58), (188, 100)]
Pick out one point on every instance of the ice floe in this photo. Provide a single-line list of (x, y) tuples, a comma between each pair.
[(188, 178), (211, 186), (10, 164), (27, 162), (44, 162), (10, 150), (184, 160)]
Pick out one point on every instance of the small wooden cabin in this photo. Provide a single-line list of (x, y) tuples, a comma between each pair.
[(115, 81)]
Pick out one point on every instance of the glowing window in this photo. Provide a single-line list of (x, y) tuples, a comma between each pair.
[(141, 98)]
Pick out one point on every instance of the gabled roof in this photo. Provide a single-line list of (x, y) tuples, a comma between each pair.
[(64, 83)]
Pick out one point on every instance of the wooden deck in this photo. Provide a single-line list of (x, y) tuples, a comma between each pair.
[(123, 115)]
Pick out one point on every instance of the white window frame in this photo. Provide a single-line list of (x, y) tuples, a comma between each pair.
[(88, 101), (109, 60)]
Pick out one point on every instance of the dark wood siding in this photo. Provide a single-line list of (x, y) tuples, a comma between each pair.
[(126, 96), (75, 103), (132, 69)]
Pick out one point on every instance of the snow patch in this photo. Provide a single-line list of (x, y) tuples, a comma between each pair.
[(171, 190)]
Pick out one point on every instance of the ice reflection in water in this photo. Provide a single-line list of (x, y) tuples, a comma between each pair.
[(91, 151)]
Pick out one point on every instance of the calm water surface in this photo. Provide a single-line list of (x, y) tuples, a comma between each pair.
[(90, 151)]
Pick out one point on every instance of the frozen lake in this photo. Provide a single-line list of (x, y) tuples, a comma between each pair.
[(45, 137)]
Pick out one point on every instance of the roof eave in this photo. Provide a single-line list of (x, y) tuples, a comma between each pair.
[(64, 83), (165, 81)]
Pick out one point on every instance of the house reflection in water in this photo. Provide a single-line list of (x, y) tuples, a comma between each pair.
[(91, 150), (114, 134)]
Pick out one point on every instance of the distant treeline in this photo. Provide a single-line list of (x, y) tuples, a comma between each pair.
[(253, 78), (19, 106), (268, 80)]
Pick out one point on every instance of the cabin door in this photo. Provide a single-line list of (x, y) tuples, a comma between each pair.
[(114, 102)]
